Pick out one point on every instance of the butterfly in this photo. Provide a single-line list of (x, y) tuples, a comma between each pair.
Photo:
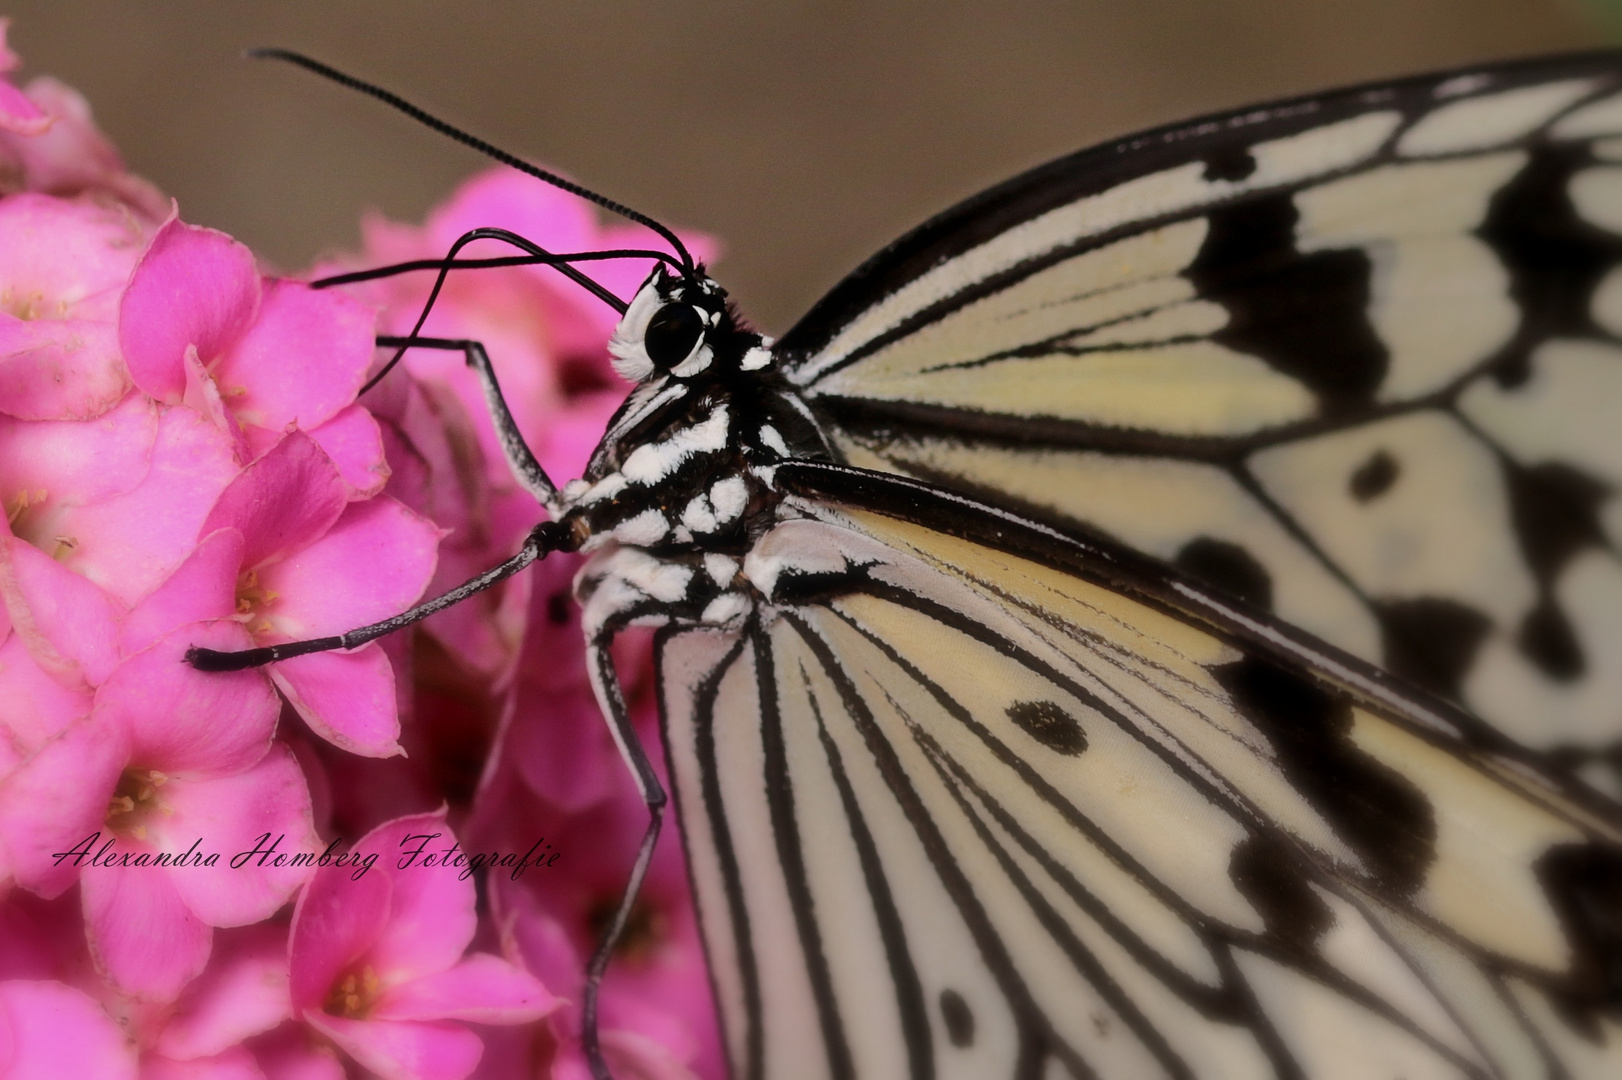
[(1161, 617)]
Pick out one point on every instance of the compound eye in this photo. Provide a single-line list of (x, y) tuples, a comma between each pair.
[(672, 333)]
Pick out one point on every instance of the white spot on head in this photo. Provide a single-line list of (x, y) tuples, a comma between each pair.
[(756, 358), (697, 361), (729, 497), (645, 529), (626, 345)]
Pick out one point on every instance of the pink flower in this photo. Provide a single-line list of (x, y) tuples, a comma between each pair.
[(197, 325), (63, 266), (377, 959), (286, 551), (48, 1030), (168, 761), (49, 143)]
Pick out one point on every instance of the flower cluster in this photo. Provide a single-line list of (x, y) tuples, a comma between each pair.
[(394, 859)]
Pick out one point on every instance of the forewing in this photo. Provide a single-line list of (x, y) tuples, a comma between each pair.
[(1352, 359), (955, 807)]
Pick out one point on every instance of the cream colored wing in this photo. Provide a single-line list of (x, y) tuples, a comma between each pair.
[(978, 806), (1354, 360)]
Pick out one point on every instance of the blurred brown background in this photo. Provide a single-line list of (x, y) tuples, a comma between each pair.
[(805, 134)]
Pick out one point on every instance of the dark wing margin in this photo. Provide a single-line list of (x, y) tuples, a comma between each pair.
[(1010, 822), (1218, 140)]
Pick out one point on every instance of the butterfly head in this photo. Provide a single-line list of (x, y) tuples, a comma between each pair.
[(680, 325)]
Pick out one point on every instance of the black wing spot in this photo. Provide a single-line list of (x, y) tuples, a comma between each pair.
[(1584, 886), (1555, 258), (1271, 880), (1230, 163), (1049, 725), (1378, 811), (1228, 567), (557, 608), (959, 1018), (1306, 315), (1374, 477), (1431, 642), (1556, 511), (1547, 639)]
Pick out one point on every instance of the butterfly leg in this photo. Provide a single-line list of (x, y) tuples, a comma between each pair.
[(525, 469), (605, 680), (547, 537)]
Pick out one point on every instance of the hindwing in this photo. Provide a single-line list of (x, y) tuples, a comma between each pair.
[(1353, 359), (969, 798)]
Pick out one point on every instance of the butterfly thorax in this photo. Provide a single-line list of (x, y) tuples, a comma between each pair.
[(679, 488)]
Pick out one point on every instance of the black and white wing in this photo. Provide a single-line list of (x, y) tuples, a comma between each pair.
[(970, 798), (1355, 359)]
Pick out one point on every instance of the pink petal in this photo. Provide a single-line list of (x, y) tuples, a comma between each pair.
[(73, 158), (188, 722), (338, 917), (194, 286), (355, 444), (34, 708), (57, 801), (483, 988), (372, 564), (432, 917), (283, 502), (18, 114), (301, 361), (67, 464), (235, 1063), (347, 698), (266, 808), (289, 1053), (68, 624), (66, 369), (144, 937), (129, 544), (53, 1031), (202, 587), (243, 993), (404, 1050), (202, 396)]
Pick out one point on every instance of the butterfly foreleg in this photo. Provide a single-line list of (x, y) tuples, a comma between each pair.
[(525, 469), (547, 537)]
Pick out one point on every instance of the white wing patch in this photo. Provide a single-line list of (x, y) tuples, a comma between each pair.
[(1491, 120)]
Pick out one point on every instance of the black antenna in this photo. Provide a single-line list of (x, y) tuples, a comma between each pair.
[(475, 142)]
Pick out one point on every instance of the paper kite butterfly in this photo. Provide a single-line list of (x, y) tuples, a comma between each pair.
[(1160, 618)]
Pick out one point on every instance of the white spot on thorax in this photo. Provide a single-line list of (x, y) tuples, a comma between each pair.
[(729, 497), (653, 462), (698, 516), (773, 441), (721, 568), (644, 530)]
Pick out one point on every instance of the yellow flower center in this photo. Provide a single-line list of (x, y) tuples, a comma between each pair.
[(136, 797), (353, 996), (252, 599)]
